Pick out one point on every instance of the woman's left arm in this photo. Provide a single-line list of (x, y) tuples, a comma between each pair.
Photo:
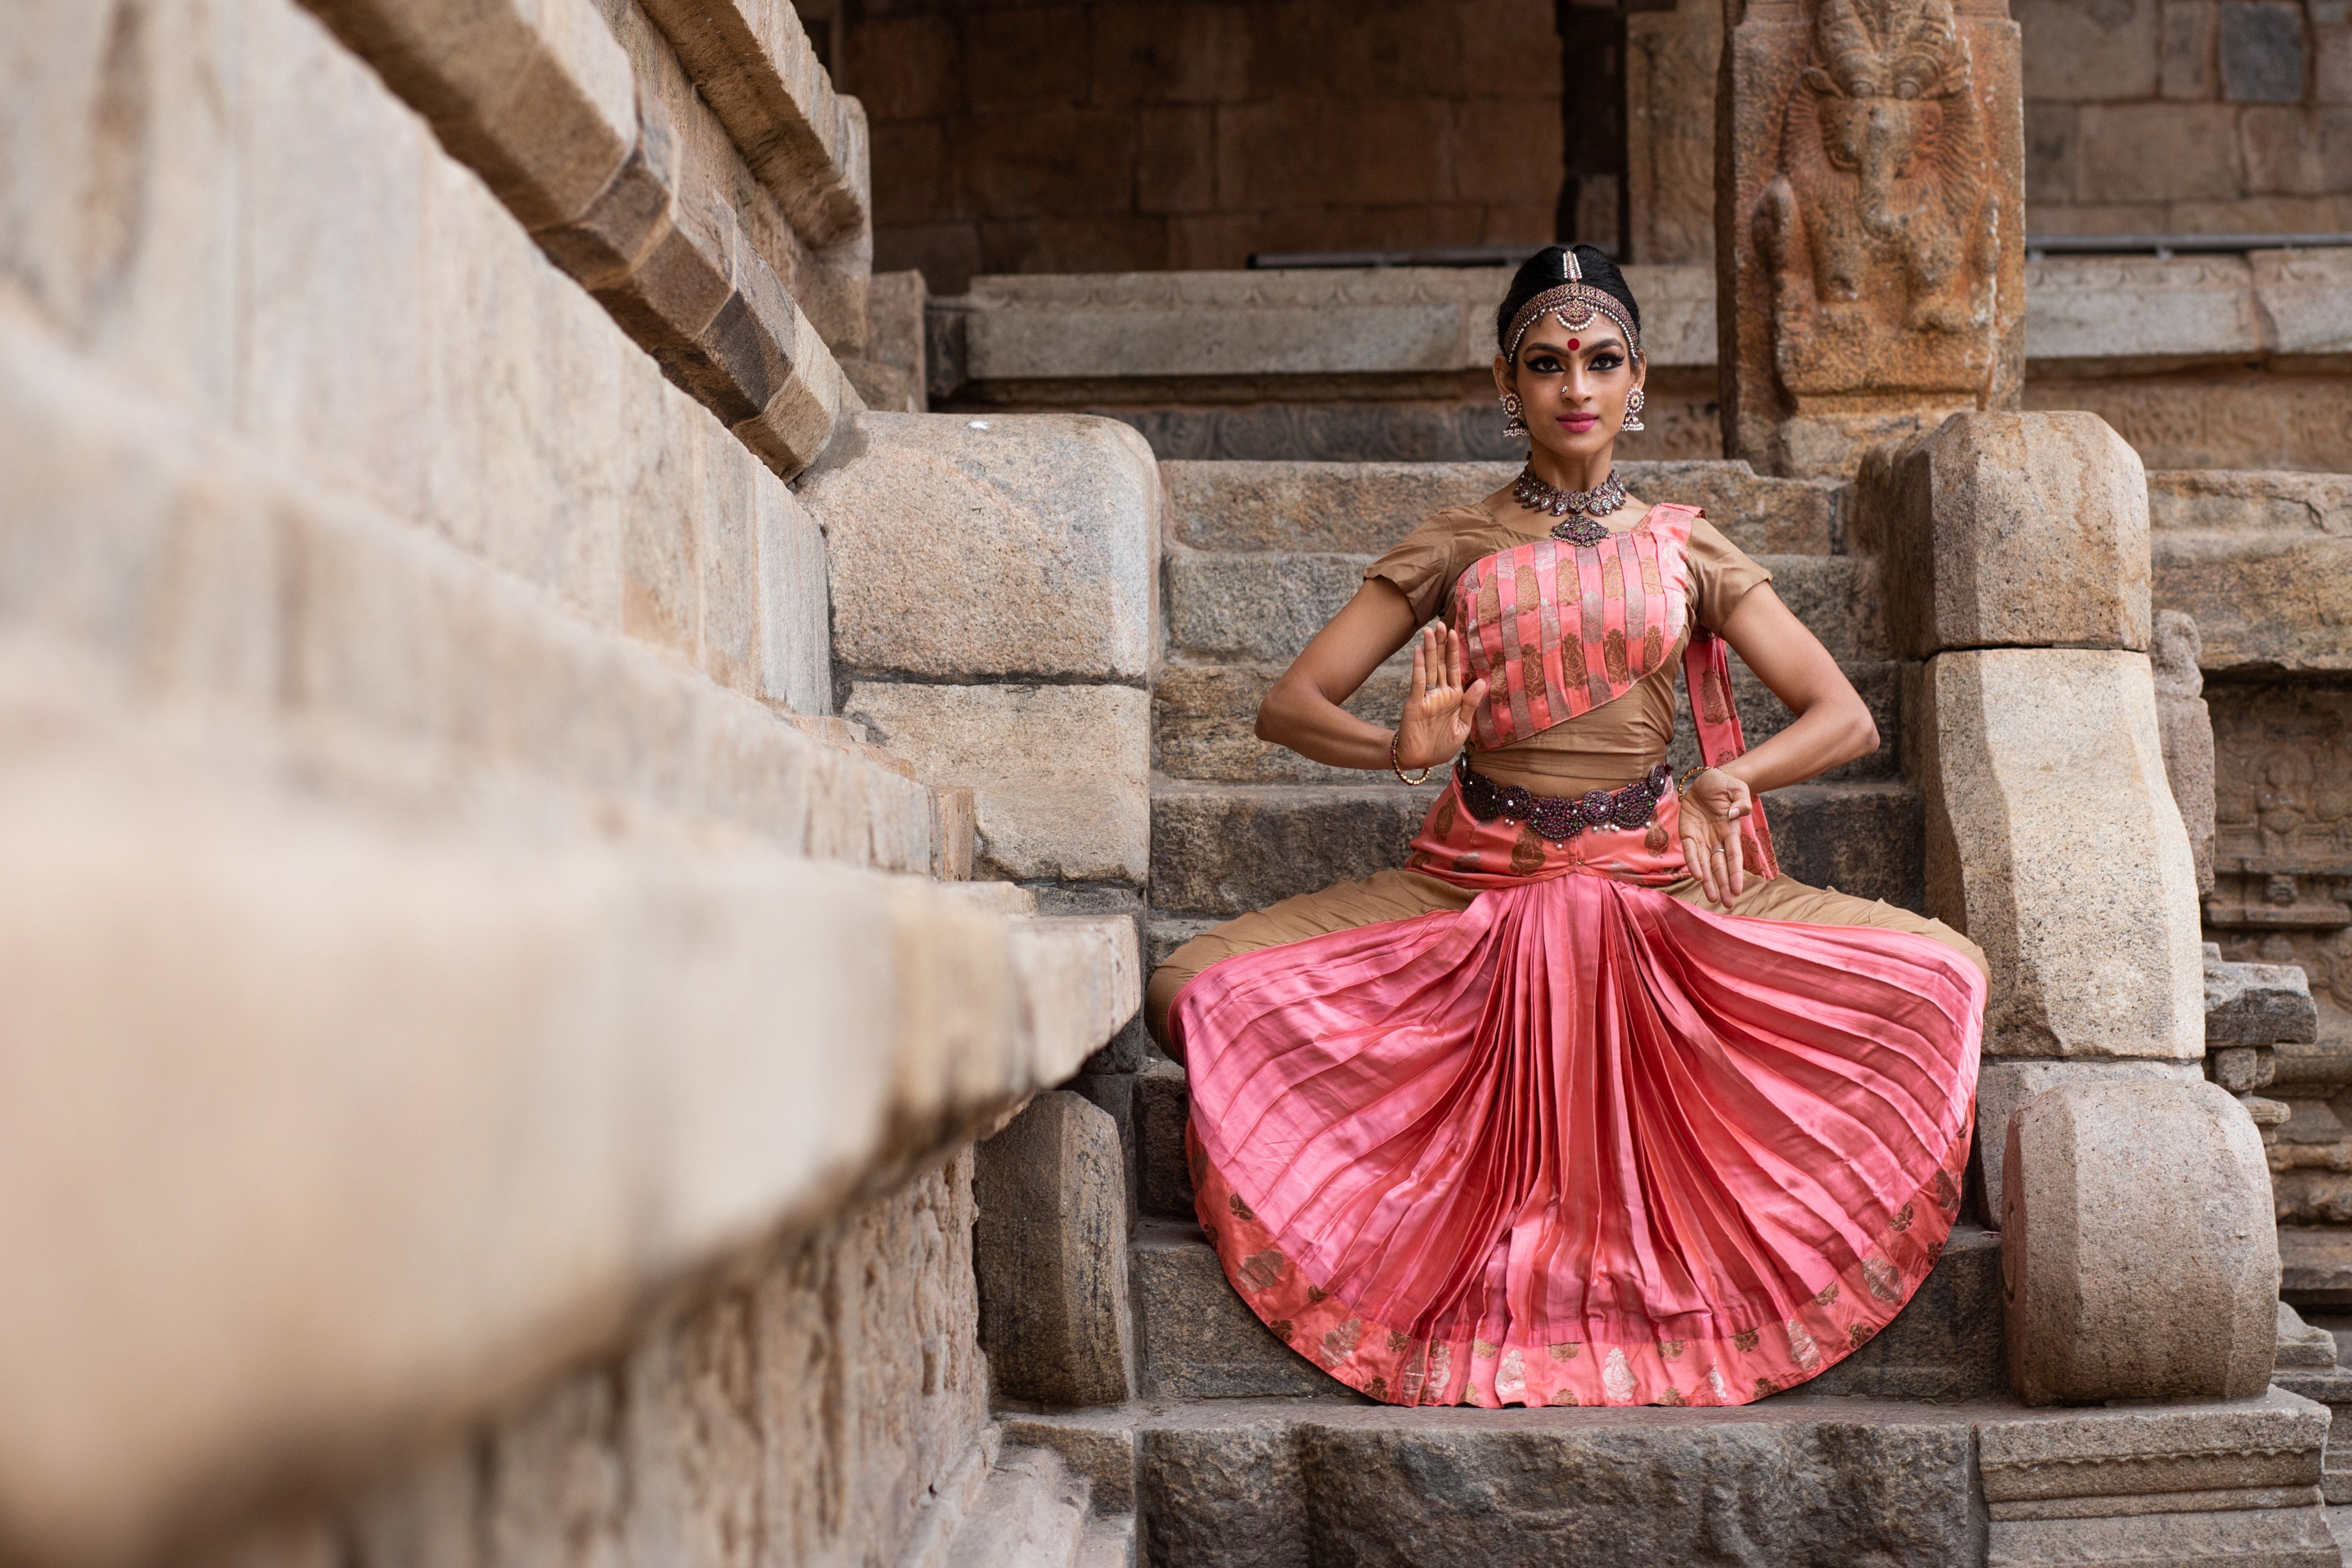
[(1831, 725)]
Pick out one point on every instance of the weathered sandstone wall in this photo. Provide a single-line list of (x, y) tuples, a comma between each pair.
[(823, 1401), (450, 940)]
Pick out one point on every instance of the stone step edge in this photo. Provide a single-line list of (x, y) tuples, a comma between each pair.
[(577, 167), (1178, 924), (376, 622), (2129, 1453)]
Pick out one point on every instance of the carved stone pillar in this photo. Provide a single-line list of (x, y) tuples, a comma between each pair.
[(1870, 210)]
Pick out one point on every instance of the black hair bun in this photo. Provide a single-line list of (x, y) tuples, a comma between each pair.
[(1548, 268)]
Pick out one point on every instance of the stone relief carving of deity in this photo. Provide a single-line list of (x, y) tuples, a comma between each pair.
[(2282, 840), (1883, 228)]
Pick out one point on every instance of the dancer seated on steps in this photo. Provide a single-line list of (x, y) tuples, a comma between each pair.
[(1585, 1103)]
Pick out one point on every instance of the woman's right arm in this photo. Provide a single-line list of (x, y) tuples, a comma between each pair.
[(1302, 711)]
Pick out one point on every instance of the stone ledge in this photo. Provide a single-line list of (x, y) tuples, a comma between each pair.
[(540, 102), (1229, 604), (2272, 1439), (752, 62), (2082, 314), (2262, 1533), (1809, 1478), (2093, 312), (201, 567), (1268, 604), (2258, 1005), (1364, 508), (393, 1110), (1226, 850), (546, 111), (1861, 839), (1395, 323), (1199, 1339), (2263, 560), (2316, 1265)]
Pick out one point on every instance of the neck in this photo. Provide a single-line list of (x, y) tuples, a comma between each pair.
[(1566, 473)]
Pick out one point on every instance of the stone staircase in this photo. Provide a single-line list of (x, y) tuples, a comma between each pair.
[(1231, 1449), (1221, 1444)]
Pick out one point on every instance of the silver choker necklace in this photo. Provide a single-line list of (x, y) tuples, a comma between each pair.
[(1577, 508)]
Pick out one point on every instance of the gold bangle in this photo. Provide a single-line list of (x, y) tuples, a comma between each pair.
[(1683, 785), (1397, 767)]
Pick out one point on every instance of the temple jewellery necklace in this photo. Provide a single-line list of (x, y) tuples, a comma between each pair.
[(1580, 511)]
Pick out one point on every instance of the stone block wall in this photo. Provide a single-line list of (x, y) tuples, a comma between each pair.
[(1125, 135), (1140, 135), (2197, 116), (823, 1401), (451, 941)]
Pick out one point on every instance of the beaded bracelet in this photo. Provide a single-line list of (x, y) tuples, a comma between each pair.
[(1397, 767)]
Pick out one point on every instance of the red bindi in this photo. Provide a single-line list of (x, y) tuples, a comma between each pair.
[(1573, 345)]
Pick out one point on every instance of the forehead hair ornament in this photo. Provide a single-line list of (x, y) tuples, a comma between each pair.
[(1573, 304)]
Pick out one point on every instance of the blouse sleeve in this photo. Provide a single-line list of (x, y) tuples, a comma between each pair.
[(1722, 572), (1421, 566)]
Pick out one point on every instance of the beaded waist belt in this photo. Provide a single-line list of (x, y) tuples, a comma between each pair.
[(1561, 818)]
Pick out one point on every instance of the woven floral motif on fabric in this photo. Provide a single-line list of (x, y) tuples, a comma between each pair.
[(1558, 629)]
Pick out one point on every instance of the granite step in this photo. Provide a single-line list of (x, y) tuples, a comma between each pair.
[(1265, 605), (1196, 1339), (1226, 850), (1219, 850), (1204, 716), (2311, 1362), (1799, 1478), (1364, 508)]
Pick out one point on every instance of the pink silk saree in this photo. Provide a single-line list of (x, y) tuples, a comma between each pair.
[(1581, 1143)]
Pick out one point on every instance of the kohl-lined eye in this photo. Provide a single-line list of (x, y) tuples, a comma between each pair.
[(1544, 365)]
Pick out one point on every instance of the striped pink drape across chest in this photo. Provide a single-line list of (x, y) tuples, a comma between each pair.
[(1558, 629)]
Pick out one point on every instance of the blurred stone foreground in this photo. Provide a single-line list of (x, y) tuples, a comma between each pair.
[(487, 1057), (575, 866)]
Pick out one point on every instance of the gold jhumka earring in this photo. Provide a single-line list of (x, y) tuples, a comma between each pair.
[(1634, 404), (1515, 415)]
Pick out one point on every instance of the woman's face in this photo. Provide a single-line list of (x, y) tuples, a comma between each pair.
[(1572, 384)]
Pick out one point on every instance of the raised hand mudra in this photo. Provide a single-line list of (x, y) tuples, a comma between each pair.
[(1436, 720)]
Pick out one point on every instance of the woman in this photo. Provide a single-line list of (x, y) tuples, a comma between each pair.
[(1585, 1104)]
